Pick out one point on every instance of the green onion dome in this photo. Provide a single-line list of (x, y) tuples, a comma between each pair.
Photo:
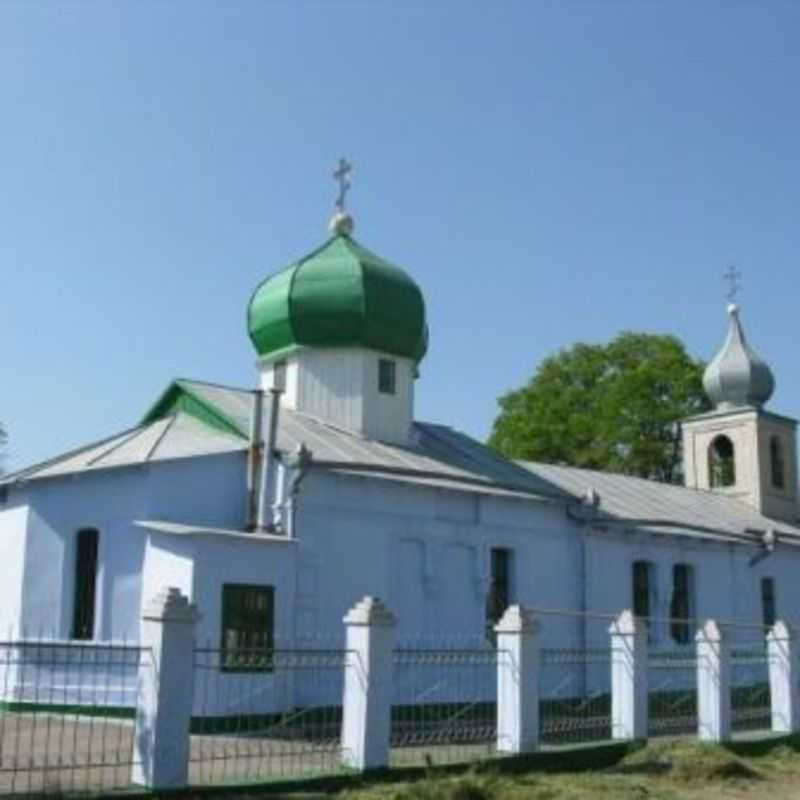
[(341, 295)]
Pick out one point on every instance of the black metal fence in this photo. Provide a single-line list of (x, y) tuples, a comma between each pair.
[(272, 714), (444, 705), (67, 715)]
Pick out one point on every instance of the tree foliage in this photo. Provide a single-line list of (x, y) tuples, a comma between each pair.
[(612, 407)]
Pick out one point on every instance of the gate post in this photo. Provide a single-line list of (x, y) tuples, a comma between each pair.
[(165, 692), (367, 702), (517, 681), (713, 684), (783, 678), (629, 690)]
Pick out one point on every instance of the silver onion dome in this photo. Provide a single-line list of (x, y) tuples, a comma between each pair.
[(737, 376)]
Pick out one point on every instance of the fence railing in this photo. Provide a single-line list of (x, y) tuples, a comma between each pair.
[(267, 714), (172, 712), (67, 713), (444, 705)]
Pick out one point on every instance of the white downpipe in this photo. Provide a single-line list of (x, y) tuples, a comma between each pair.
[(265, 519)]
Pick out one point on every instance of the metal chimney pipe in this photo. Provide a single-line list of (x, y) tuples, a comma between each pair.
[(265, 521), (254, 457)]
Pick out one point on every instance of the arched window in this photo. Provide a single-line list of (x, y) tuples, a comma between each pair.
[(721, 466), (777, 464), (85, 583)]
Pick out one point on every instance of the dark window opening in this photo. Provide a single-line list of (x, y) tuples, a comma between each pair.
[(387, 376), (721, 464), (85, 584), (777, 464), (499, 597), (768, 607), (279, 376), (681, 606), (248, 626), (641, 588)]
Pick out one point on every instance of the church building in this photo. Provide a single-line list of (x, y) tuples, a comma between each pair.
[(275, 507)]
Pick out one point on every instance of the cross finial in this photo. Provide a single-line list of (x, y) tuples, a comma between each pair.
[(732, 277), (342, 175), (342, 223)]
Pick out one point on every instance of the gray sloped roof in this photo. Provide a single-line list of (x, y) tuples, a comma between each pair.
[(438, 455), (661, 507)]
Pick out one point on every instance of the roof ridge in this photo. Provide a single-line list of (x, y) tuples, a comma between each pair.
[(213, 383), (21, 474)]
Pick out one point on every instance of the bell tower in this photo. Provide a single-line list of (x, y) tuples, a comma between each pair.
[(740, 449)]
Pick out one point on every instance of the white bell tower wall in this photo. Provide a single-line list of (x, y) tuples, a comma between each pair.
[(760, 439)]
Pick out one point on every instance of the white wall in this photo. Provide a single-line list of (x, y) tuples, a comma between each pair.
[(200, 564), (13, 535)]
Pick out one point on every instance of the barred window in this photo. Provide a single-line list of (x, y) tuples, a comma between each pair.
[(83, 606), (681, 605), (768, 607), (499, 597), (248, 624), (721, 463)]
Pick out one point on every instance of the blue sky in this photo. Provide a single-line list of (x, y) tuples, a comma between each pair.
[(548, 171)]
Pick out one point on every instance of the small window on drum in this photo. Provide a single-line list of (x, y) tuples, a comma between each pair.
[(279, 375), (387, 376)]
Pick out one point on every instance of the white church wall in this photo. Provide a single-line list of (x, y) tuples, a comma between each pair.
[(207, 491), (200, 564), (14, 531), (426, 552), (110, 501)]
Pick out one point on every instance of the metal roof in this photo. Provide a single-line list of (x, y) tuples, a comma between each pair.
[(660, 507), (438, 456)]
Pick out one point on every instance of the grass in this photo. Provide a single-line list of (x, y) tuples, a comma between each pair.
[(767, 769), (665, 770)]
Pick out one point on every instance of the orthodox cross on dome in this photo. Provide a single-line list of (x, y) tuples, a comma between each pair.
[(342, 176), (732, 277), (342, 223)]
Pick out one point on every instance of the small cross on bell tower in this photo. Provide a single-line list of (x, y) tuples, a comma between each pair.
[(341, 223), (733, 277)]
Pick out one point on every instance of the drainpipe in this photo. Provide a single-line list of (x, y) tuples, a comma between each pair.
[(265, 523), (254, 456)]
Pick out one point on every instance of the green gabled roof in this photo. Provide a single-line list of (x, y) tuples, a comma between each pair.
[(339, 295), (182, 395)]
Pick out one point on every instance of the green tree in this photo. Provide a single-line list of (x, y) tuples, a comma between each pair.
[(612, 407)]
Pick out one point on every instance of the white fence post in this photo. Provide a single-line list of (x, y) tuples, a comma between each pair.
[(713, 684), (165, 692), (517, 681), (629, 685), (367, 703), (783, 678)]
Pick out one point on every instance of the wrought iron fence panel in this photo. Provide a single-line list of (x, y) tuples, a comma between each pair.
[(750, 693), (444, 705), (265, 714), (66, 723), (672, 687), (574, 695)]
